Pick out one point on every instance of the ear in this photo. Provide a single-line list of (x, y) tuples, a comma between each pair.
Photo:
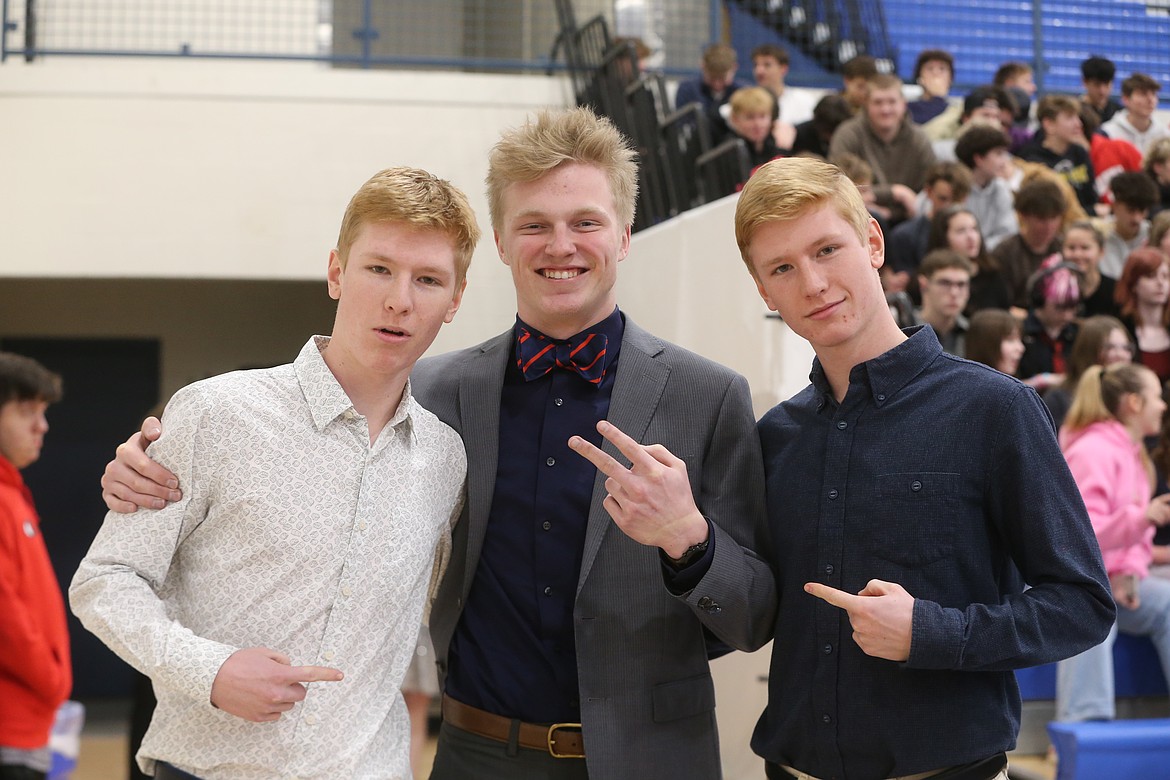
[(333, 275), (500, 247), (877, 244), (624, 249), (455, 301)]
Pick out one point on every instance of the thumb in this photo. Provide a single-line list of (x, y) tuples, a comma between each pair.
[(880, 588), (276, 655)]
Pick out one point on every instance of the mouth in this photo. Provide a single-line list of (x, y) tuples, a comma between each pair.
[(561, 273), (823, 311), (392, 333)]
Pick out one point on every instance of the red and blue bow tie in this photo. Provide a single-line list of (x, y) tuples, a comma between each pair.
[(537, 354)]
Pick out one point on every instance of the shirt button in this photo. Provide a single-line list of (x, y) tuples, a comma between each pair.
[(349, 414), (328, 656), (546, 525), (548, 590), (310, 719), (881, 397), (916, 486), (347, 591), (362, 526), (551, 462), (829, 568), (558, 402), (827, 649), (842, 425), (826, 718), (833, 494)]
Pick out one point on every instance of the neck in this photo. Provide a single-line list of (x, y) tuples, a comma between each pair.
[(838, 361), (1092, 280), (1036, 249), (980, 177), (1055, 145), (1149, 314), (942, 323), (1140, 123), (375, 396), (887, 135)]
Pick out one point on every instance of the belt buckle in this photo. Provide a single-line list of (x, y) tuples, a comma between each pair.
[(551, 740)]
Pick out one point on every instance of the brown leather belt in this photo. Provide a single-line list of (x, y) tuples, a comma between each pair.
[(559, 740)]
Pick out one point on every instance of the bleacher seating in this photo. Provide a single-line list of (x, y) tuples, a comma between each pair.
[(1136, 672), (986, 34), (1131, 749)]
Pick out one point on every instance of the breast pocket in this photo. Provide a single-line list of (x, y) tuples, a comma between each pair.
[(912, 521)]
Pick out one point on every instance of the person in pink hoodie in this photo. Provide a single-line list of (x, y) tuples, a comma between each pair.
[(1113, 410)]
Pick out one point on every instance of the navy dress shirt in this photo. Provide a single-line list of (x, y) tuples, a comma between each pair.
[(513, 649), (944, 476)]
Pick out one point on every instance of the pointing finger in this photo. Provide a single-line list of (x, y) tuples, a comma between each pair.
[(308, 674), (838, 598)]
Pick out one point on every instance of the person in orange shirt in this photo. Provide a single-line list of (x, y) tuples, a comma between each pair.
[(35, 672)]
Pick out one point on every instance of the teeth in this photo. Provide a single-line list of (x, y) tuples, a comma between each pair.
[(569, 274)]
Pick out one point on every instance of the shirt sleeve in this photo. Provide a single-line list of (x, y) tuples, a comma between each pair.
[(1118, 524), (735, 598), (115, 590), (1034, 510)]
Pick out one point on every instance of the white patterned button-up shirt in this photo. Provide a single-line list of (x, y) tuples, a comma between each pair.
[(293, 533)]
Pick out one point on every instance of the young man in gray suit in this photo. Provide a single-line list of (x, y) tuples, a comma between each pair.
[(563, 649)]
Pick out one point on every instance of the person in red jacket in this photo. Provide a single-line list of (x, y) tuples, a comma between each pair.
[(35, 672)]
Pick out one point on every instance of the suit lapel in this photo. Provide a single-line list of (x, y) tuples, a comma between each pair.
[(480, 386), (638, 387)]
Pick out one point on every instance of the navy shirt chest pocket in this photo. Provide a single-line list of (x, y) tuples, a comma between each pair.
[(912, 520)]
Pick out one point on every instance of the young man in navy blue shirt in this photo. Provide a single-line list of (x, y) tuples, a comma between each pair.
[(910, 494)]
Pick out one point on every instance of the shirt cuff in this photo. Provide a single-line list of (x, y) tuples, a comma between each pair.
[(686, 579)]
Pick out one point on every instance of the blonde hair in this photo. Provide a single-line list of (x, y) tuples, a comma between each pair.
[(750, 100), (1099, 395), (784, 189), (527, 152), (419, 199)]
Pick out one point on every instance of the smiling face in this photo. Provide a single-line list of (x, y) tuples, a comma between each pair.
[(22, 431), (563, 240), (822, 279), (1080, 248), (395, 290), (1116, 348)]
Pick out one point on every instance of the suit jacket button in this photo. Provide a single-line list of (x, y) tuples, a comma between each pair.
[(705, 602)]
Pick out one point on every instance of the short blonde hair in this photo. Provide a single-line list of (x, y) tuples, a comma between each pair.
[(577, 135), (784, 189), (421, 200), (752, 100)]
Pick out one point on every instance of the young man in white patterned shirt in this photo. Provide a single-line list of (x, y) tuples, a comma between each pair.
[(275, 606)]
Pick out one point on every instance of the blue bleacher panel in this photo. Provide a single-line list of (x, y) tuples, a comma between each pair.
[(1136, 672), (1130, 749), (982, 36)]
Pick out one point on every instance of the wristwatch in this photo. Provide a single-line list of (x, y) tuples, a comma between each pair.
[(689, 555)]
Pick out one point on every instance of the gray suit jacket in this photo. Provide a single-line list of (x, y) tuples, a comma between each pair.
[(647, 699)]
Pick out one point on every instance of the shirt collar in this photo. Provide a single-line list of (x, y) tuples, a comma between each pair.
[(889, 372), (323, 393)]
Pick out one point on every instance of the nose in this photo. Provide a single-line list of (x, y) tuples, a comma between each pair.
[(42, 423), (400, 295), (560, 242), (813, 280)]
